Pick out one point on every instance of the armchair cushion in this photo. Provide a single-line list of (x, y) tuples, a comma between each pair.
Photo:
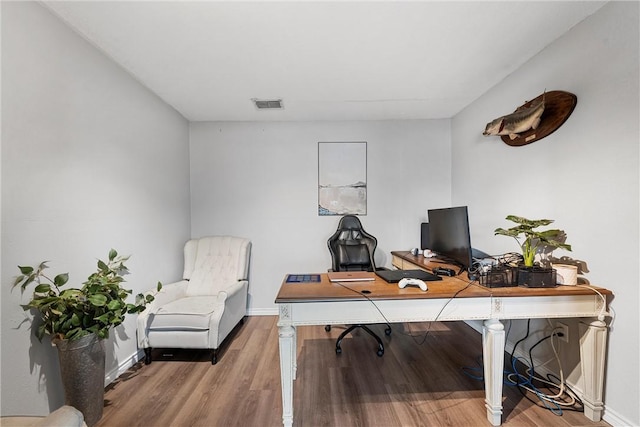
[(185, 314)]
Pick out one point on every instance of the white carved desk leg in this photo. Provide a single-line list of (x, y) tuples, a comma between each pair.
[(287, 342), (493, 338), (593, 341)]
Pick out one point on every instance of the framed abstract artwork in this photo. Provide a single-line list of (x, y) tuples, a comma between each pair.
[(342, 178)]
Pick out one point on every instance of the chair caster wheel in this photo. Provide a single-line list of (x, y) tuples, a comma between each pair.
[(327, 328), (387, 331), (380, 352), (338, 350)]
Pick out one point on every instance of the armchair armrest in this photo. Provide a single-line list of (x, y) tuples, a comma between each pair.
[(232, 307), (231, 290), (168, 293)]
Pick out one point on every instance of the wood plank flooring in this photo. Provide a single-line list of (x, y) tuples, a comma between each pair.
[(418, 382)]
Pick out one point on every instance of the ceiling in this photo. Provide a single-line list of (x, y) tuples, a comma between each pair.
[(327, 60)]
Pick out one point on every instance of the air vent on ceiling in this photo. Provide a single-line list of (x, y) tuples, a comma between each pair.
[(268, 104)]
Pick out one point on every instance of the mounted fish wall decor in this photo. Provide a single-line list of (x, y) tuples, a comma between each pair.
[(534, 119)]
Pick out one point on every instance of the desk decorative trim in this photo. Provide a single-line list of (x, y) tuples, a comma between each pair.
[(285, 311), (497, 306)]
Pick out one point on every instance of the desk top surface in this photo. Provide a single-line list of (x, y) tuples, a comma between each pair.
[(379, 289)]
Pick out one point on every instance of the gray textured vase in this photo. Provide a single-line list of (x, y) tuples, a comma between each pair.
[(82, 370)]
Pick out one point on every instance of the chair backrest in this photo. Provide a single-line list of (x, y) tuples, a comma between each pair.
[(351, 247), (213, 263)]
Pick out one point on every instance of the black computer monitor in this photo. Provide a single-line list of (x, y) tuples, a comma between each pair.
[(449, 235)]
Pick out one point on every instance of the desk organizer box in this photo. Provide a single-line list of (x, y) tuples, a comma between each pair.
[(537, 277), (501, 276)]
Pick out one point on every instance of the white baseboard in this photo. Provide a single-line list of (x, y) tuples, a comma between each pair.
[(112, 375), (262, 312), (615, 419)]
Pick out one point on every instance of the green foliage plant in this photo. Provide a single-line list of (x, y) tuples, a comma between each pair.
[(529, 239), (74, 313)]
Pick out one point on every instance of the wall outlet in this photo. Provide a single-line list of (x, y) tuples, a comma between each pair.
[(563, 331)]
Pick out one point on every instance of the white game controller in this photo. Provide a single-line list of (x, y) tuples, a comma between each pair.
[(414, 282), (428, 253)]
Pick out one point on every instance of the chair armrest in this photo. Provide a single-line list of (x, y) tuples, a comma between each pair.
[(231, 308), (231, 290), (168, 293)]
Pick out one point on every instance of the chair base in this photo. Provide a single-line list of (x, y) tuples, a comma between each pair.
[(214, 351), (380, 349), (148, 359)]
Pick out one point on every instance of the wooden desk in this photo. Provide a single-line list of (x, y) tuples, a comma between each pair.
[(327, 303)]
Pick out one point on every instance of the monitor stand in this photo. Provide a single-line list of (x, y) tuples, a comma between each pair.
[(478, 254)]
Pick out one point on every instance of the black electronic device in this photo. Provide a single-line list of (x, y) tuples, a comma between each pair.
[(449, 235), (443, 271), (424, 236), (394, 276)]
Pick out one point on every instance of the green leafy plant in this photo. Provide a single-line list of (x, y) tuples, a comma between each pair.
[(74, 313), (533, 239)]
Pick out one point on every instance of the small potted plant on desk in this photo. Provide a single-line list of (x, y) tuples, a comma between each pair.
[(78, 321), (532, 274)]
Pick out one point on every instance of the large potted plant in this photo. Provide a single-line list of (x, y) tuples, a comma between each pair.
[(78, 320), (531, 241)]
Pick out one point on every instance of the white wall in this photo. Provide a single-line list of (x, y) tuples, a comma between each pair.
[(260, 180), (90, 160), (585, 175)]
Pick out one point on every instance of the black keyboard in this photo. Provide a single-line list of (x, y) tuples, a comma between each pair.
[(430, 277)]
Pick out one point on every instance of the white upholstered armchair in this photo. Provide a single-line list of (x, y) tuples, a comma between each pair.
[(203, 308)]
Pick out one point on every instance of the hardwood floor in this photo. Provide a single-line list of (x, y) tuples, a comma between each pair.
[(418, 382)]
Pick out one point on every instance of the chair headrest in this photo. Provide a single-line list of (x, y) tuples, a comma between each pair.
[(349, 222)]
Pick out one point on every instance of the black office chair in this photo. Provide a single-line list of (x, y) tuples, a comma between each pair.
[(352, 249)]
